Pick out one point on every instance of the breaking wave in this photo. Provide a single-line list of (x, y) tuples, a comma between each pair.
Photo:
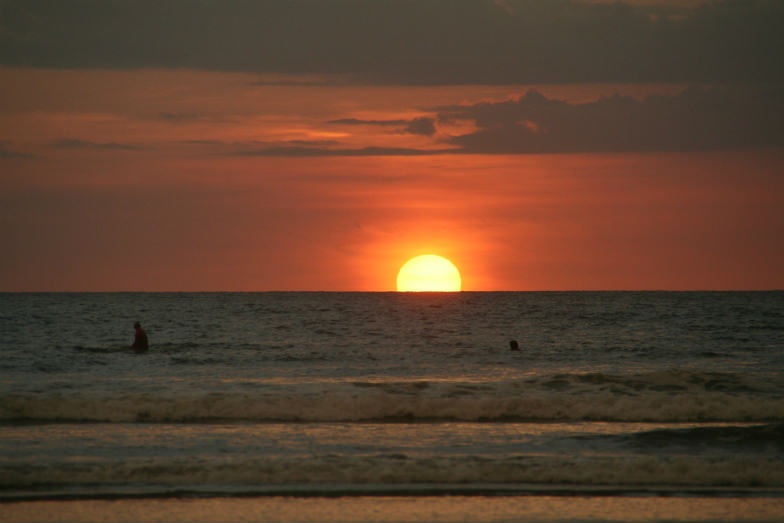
[(390, 469), (666, 396)]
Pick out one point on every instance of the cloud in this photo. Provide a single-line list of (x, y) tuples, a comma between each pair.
[(422, 126), (70, 143), (8, 153), (695, 119), (355, 121), (297, 151), (405, 41)]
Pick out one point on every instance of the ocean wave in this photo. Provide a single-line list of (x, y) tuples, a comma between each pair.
[(744, 438), (672, 396), (390, 469), (760, 438)]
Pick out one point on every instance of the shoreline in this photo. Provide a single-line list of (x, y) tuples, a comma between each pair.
[(328, 491), (542, 509)]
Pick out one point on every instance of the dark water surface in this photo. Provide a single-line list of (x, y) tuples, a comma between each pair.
[(392, 393)]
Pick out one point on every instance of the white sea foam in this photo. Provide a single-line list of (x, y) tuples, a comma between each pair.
[(669, 396)]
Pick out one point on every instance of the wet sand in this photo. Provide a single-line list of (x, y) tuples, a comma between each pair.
[(405, 508)]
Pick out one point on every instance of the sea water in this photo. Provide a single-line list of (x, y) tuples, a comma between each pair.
[(379, 398)]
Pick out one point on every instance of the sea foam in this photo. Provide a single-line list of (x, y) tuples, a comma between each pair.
[(669, 396)]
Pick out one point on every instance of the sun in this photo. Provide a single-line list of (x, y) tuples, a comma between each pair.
[(428, 273)]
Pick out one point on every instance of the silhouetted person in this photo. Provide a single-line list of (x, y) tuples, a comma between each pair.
[(140, 343), (513, 345)]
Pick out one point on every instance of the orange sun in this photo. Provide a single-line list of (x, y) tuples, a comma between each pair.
[(428, 273)]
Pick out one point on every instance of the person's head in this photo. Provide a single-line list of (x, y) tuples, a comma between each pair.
[(137, 325), (513, 345)]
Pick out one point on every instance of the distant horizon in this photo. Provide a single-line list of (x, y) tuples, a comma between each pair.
[(387, 292)]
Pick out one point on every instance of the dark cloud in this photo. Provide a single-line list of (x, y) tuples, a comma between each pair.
[(261, 148), (312, 143), (405, 41), (304, 149), (423, 126), (70, 143), (180, 117), (383, 123), (5, 152), (300, 152), (696, 119)]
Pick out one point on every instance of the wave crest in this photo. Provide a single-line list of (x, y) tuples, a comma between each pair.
[(659, 397), (401, 469)]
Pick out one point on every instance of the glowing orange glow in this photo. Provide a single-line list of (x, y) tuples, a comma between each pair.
[(334, 222), (428, 273)]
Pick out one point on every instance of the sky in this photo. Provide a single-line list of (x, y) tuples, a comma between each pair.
[(238, 145)]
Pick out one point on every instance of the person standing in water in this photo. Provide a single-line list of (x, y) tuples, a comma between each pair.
[(140, 343)]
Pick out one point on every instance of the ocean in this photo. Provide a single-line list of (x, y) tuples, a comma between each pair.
[(311, 406)]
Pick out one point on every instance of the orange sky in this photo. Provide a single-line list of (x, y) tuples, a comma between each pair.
[(159, 180), (224, 145)]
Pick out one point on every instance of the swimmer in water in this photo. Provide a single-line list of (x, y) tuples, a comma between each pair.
[(140, 343)]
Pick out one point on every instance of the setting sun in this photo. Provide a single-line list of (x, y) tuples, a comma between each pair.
[(428, 273)]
